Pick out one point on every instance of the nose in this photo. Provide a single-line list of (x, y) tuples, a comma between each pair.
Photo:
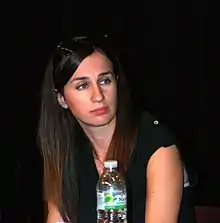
[(97, 94)]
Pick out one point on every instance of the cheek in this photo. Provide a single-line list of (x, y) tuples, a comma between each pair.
[(71, 99), (115, 93), (76, 106), (111, 92), (112, 96)]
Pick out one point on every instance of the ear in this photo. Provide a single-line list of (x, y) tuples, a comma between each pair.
[(61, 101)]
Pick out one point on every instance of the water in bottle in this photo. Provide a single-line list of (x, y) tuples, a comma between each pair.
[(111, 195)]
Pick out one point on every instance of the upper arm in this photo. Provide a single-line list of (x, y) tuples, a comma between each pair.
[(53, 214), (164, 186)]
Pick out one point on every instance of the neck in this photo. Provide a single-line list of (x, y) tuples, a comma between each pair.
[(100, 137)]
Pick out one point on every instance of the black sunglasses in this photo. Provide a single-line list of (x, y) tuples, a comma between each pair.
[(67, 47)]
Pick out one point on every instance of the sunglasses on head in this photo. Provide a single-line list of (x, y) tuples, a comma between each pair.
[(67, 47)]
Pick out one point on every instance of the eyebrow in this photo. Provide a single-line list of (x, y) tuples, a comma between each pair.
[(86, 78)]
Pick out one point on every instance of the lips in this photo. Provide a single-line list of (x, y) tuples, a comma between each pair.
[(101, 110)]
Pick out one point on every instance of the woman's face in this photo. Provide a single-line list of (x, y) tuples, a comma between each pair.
[(91, 93)]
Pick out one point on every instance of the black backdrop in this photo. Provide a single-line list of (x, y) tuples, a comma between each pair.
[(171, 54)]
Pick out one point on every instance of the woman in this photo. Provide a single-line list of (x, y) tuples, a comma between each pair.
[(86, 118)]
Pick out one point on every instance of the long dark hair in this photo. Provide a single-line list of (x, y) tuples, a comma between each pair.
[(57, 126)]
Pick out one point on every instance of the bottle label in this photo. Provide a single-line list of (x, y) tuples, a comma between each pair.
[(111, 200)]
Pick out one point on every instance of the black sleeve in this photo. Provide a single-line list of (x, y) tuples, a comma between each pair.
[(152, 136)]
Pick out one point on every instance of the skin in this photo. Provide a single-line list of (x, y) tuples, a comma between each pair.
[(92, 86), (164, 186)]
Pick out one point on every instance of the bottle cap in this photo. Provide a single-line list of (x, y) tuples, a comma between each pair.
[(111, 164)]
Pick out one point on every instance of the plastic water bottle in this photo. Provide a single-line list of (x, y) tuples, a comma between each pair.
[(111, 195)]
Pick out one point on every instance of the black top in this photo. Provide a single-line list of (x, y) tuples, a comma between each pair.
[(152, 135)]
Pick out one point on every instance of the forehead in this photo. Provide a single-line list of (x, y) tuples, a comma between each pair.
[(94, 64)]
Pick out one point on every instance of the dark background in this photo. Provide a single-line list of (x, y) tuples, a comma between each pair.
[(170, 51)]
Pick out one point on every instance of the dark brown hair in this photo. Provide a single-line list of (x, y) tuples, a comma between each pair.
[(57, 126)]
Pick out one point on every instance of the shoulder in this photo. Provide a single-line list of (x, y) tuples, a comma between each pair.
[(153, 134)]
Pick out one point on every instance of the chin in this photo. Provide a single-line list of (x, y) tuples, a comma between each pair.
[(98, 121), (101, 121)]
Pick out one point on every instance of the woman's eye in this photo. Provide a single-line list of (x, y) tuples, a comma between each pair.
[(105, 81), (82, 86)]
